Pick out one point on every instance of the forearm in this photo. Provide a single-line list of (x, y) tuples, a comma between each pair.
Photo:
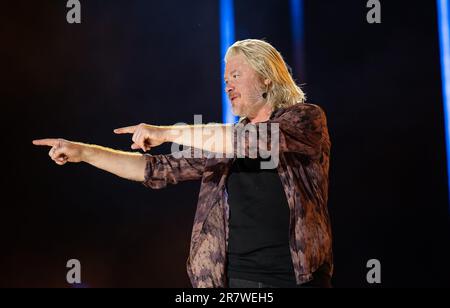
[(216, 138), (127, 165)]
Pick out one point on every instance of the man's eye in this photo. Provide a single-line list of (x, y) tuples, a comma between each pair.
[(235, 75)]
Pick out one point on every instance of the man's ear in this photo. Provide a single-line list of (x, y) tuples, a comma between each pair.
[(267, 82)]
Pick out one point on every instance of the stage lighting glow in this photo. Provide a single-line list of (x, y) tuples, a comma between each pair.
[(226, 40), (444, 34), (296, 7)]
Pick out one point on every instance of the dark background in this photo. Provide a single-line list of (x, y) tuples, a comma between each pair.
[(159, 62)]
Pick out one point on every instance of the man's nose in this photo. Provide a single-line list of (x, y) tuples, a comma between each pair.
[(229, 88)]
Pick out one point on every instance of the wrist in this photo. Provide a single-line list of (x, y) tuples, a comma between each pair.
[(86, 152), (163, 133)]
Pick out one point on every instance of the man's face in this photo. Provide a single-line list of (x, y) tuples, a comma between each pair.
[(243, 86)]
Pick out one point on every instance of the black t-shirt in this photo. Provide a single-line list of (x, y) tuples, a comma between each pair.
[(258, 244)]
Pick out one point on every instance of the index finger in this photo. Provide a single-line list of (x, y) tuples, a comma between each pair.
[(46, 142), (126, 130)]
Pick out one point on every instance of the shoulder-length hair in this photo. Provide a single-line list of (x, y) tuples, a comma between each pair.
[(282, 91)]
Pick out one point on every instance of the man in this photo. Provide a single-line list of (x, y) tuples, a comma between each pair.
[(254, 226)]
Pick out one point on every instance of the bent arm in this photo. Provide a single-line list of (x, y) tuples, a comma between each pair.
[(301, 128)]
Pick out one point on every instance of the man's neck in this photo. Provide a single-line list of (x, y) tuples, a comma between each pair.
[(262, 115)]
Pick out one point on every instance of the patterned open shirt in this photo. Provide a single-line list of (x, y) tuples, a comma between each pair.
[(304, 154)]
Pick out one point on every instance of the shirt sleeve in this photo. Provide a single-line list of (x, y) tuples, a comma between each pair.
[(161, 170), (299, 129)]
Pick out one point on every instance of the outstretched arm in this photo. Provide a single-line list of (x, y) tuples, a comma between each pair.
[(215, 138), (127, 165), (301, 129)]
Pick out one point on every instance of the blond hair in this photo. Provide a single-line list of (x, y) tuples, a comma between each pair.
[(282, 91)]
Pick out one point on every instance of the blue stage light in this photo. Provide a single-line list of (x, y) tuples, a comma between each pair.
[(297, 22), (226, 40), (444, 34)]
